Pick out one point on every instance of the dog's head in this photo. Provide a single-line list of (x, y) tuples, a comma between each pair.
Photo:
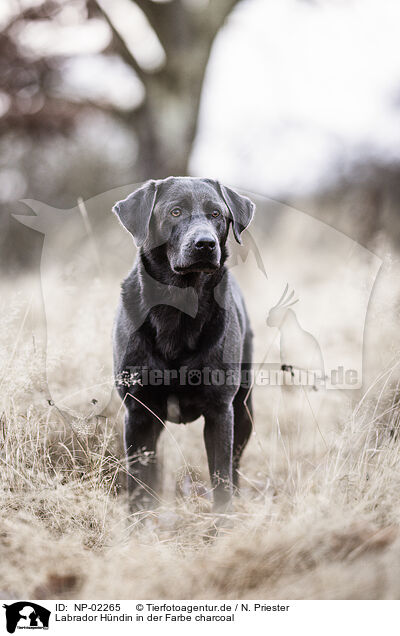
[(189, 217)]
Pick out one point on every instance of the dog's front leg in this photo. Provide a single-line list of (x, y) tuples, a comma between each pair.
[(218, 437), (141, 433)]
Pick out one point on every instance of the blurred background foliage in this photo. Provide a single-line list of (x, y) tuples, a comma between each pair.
[(95, 94)]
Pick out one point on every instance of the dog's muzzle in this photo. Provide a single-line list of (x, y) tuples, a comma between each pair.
[(201, 253)]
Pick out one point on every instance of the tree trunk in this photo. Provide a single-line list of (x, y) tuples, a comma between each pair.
[(165, 124)]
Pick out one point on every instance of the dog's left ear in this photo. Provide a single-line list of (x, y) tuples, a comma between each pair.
[(241, 209), (135, 211)]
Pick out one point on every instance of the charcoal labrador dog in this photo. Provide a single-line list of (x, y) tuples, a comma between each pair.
[(182, 339)]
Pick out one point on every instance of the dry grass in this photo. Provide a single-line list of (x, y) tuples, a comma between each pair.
[(318, 516)]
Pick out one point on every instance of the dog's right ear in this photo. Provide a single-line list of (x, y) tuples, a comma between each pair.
[(135, 211)]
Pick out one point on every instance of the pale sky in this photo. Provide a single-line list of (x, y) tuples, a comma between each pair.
[(296, 91)]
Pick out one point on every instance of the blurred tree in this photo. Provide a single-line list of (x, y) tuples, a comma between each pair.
[(55, 142), (25, 79), (164, 121)]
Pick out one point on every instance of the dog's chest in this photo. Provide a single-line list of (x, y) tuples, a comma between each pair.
[(182, 409), (173, 409), (175, 333)]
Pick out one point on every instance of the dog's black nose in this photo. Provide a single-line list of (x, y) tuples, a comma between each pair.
[(205, 243)]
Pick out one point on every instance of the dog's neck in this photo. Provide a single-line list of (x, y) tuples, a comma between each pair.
[(156, 265), (178, 309)]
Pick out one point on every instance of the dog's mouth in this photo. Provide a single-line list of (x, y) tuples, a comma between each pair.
[(206, 267)]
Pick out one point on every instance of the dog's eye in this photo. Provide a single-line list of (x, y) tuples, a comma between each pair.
[(215, 213), (176, 212)]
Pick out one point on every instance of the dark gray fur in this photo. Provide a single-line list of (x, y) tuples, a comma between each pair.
[(180, 307)]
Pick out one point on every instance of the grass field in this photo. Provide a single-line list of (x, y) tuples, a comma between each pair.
[(319, 511)]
